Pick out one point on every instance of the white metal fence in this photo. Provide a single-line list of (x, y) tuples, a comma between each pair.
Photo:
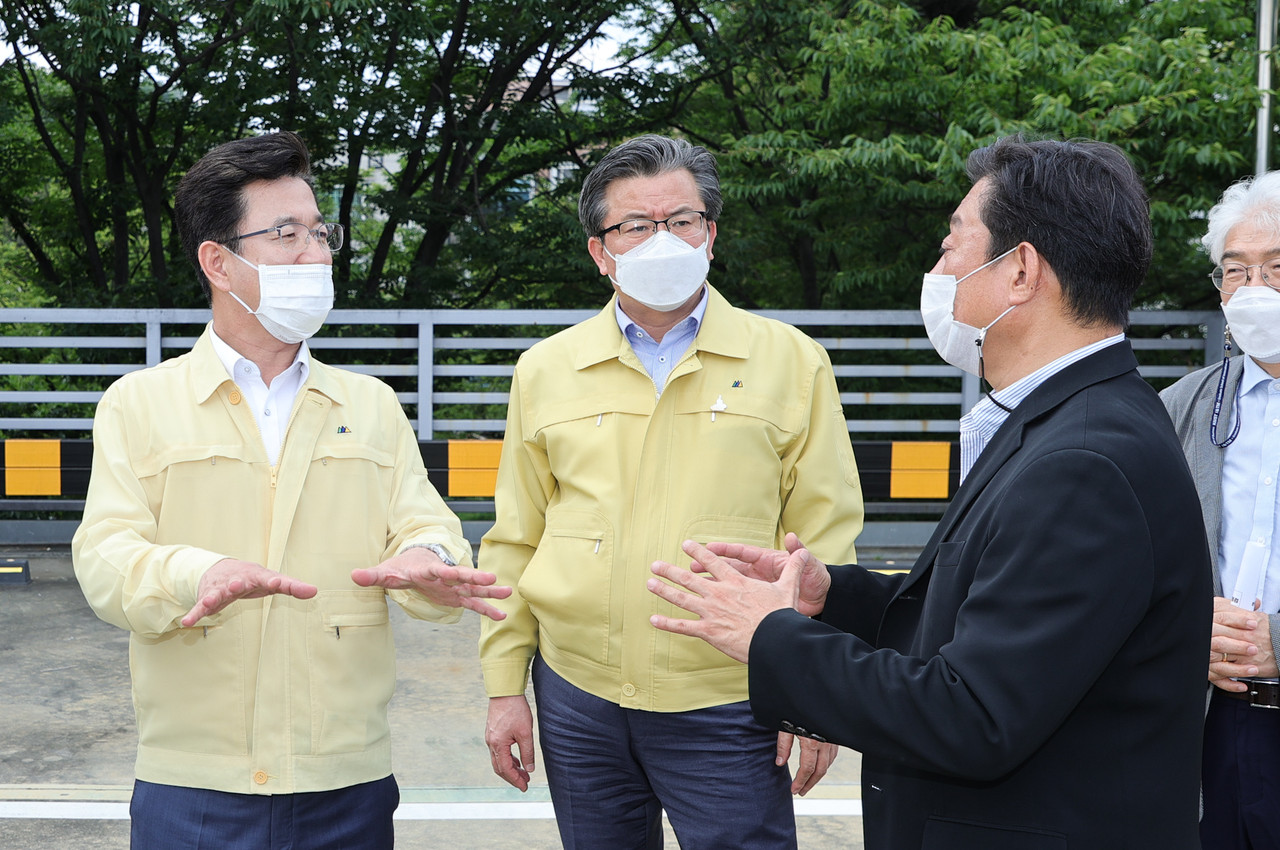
[(451, 369)]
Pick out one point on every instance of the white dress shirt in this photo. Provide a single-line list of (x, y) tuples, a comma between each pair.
[(271, 405)]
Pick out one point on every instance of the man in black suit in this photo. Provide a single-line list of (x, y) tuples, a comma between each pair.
[(1036, 680)]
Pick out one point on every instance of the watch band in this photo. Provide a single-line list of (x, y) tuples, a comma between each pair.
[(441, 552)]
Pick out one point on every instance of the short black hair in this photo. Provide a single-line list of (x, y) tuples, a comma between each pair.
[(209, 203), (1083, 206)]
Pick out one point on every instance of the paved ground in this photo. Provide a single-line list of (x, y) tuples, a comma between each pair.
[(67, 736)]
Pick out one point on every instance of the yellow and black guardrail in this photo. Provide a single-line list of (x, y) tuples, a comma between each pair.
[(891, 472), (900, 480)]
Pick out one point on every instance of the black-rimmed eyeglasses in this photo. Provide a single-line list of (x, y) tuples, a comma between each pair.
[(636, 230)]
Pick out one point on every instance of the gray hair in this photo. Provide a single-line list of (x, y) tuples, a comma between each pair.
[(648, 156), (1253, 200)]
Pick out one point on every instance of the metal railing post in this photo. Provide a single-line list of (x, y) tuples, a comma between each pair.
[(426, 378), (1266, 43)]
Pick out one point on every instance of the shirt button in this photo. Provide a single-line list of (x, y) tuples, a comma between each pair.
[(1275, 422), (234, 397), (662, 360), (260, 777), (628, 690), (266, 411), (1267, 481)]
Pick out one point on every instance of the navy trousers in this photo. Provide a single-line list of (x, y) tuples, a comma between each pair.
[(612, 771), (1240, 776), (168, 817)]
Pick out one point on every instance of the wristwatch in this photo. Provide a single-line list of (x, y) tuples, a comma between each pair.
[(441, 552)]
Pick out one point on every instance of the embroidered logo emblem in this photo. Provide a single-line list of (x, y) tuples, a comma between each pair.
[(343, 429), (737, 385)]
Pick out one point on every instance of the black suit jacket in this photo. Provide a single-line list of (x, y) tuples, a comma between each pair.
[(1037, 680)]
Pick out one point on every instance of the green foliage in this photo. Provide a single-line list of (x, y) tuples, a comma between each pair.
[(843, 127), (465, 104), (450, 138)]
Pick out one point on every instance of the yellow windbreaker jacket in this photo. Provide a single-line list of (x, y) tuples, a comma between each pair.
[(274, 695), (600, 476)]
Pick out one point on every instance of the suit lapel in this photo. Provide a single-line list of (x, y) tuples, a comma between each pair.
[(1110, 362)]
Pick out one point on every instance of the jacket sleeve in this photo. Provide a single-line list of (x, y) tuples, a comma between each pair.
[(128, 579), (417, 515), (1056, 594), (525, 485), (822, 497)]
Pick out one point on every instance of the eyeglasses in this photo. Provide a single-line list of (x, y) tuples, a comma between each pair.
[(1229, 277), (633, 231), (296, 237)]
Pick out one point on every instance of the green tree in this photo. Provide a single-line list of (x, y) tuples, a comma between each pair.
[(429, 123), (842, 127)]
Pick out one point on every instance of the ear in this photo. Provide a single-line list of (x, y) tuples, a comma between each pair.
[(595, 247), (711, 238), (1031, 273), (213, 262)]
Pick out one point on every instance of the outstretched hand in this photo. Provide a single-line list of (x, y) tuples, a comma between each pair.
[(767, 565), (422, 570), (229, 580), (729, 604)]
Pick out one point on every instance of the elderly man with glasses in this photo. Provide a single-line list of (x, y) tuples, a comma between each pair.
[(669, 415), (249, 512), (1228, 416)]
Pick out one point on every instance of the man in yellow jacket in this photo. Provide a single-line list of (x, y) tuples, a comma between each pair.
[(670, 415), (250, 510)]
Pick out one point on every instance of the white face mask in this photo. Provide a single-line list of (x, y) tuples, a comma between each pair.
[(662, 272), (293, 300), (957, 343), (1253, 314)]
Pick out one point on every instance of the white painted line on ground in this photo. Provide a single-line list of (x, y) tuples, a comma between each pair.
[(48, 810), (64, 811), (828, 808)]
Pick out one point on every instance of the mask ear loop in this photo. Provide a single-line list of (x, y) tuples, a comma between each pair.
[(982, 377), (982, 369), (1220, 396)]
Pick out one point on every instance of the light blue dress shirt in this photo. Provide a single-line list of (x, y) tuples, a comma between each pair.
[(659, 358), (980, 424), (1248, 562)]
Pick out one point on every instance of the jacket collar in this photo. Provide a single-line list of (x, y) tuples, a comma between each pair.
[(719, 333), (1110, 362), (208, 373)]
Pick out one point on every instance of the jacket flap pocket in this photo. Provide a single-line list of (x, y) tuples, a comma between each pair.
[(949, 553), (341, 450), (588, 407), (570, 522), (356, 618), (733, 403), (754, 531), (153, 463)]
